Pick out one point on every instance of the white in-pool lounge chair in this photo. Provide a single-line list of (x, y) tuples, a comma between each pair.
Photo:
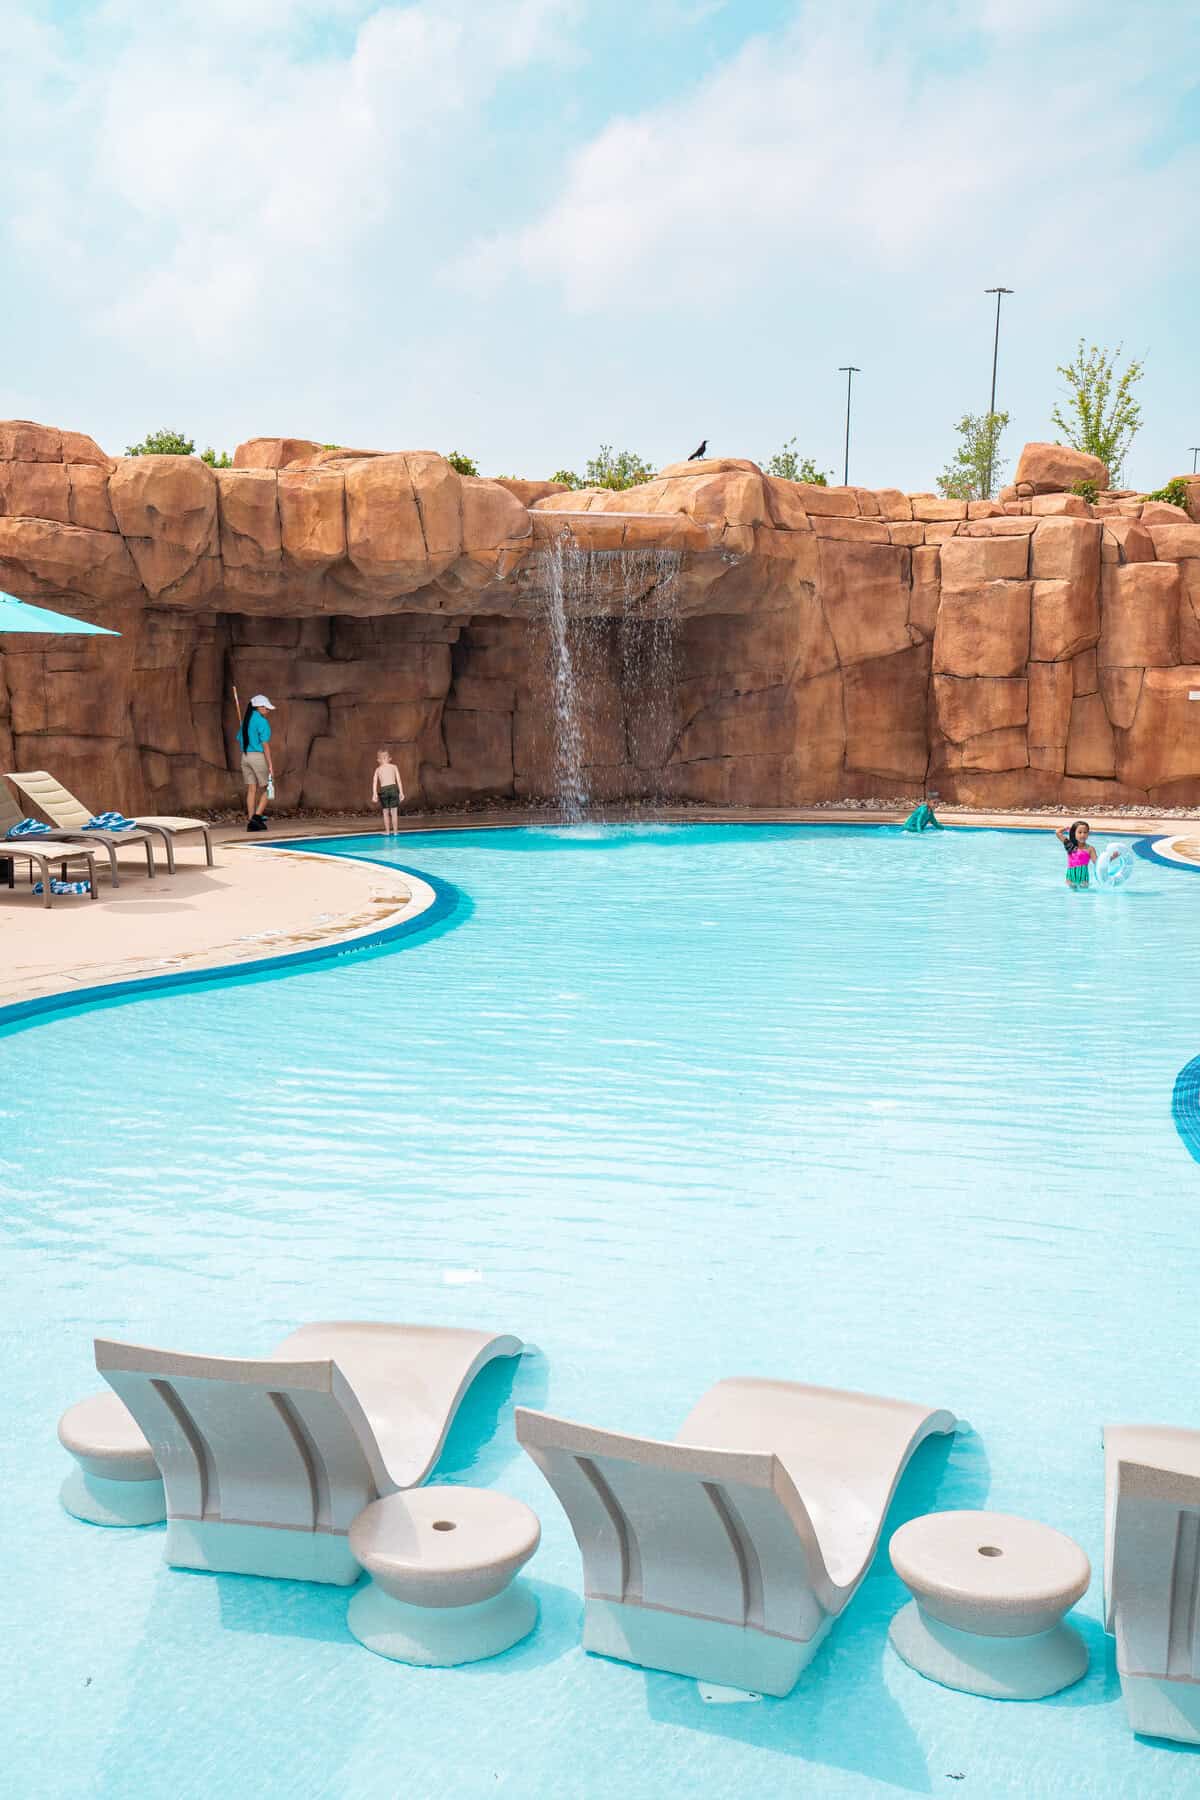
[(266, 1463), (727, 1553), (70, 814), (1152, 1574)]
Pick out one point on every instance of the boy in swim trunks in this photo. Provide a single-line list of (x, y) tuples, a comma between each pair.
[(387, 790)]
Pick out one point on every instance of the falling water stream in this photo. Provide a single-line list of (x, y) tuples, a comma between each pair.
[(648, 643), (563, 563), (610, 614)]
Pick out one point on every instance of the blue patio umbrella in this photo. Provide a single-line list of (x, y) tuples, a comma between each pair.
[(18, 615)]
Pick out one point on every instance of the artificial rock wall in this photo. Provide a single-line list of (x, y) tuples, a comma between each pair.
[(827, 642)]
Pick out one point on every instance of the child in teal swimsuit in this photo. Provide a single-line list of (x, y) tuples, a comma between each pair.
[(1080, 855)]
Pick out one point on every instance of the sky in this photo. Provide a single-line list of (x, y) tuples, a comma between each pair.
[(524, 228)]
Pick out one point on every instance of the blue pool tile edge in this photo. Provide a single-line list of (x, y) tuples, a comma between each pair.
[(1185, 1095), (1144, 847), (1185, 1106), (446, 900)]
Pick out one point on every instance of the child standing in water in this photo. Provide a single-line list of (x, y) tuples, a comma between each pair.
[(1080, 855), (387, 790)]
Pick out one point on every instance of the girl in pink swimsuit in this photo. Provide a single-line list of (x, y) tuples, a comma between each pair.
[(1080, 855)]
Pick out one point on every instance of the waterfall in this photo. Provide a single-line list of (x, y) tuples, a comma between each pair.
[(647, 640), (564, 573), (611, 618)]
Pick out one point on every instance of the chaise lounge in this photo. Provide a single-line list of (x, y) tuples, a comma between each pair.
[(727, 1553), (83, 842), (70, 814), (266, 1463), (1152, 1574), (45, 861)]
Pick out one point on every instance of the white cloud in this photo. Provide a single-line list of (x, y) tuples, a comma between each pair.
[(931, 145), (213, 161), (250, 216)]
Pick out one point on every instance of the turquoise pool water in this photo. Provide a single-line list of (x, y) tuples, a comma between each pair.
[(837, 1105)]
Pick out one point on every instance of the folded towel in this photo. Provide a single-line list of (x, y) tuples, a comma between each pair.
[(111, 821), (63, 887), (27, 828)]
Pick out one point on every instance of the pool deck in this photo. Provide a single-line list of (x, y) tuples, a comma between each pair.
[(252, 905)]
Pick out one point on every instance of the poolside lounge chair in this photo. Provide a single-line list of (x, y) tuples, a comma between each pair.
[(108, 841), (266, 1463), (46, 861), (64, 810), (1152, 1574), (96, 841), (727, 1553)]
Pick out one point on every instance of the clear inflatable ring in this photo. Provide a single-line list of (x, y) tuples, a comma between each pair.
[(1114, 865)]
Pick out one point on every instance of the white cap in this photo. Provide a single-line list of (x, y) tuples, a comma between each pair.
[(261, 701)]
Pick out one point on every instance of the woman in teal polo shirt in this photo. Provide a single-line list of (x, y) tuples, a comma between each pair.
[(254, 740)]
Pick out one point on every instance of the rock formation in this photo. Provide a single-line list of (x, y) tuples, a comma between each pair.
[(827, 642)]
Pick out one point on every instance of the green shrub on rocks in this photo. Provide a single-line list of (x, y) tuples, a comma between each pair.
[(163, 443), (174, 443), (1175, 493), (789, 465), (608, 469)]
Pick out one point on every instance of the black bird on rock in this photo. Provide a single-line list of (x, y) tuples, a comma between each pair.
[(698, 455)]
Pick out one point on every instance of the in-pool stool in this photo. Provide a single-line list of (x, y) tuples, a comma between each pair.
[(990, 1592), (115, 1480), (442, 1562)]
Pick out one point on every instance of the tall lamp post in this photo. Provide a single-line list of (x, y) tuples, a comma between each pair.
[(849, 370), (1195, 450), (999, 293)]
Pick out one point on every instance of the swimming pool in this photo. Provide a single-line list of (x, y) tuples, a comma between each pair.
[(832, 1104)]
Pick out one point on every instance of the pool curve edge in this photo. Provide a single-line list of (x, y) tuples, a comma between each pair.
[(444, 900)]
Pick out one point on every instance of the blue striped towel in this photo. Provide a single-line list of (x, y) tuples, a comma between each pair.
[(111, 821), (27, 828), (63, 887)]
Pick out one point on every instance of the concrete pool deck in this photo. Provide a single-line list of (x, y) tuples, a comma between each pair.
[(253, 905)]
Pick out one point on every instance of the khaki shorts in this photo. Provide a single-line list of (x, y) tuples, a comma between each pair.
[(255, 772)]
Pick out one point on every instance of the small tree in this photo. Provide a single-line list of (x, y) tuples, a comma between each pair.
[(466, 465), (1102, 416), (162, 443), (223, 460), (608, 469), (976, 468), (622, 469), (789, 465)]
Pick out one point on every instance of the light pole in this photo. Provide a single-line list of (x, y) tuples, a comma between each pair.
[(999, 293), (1195, 450), (849, 370)]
